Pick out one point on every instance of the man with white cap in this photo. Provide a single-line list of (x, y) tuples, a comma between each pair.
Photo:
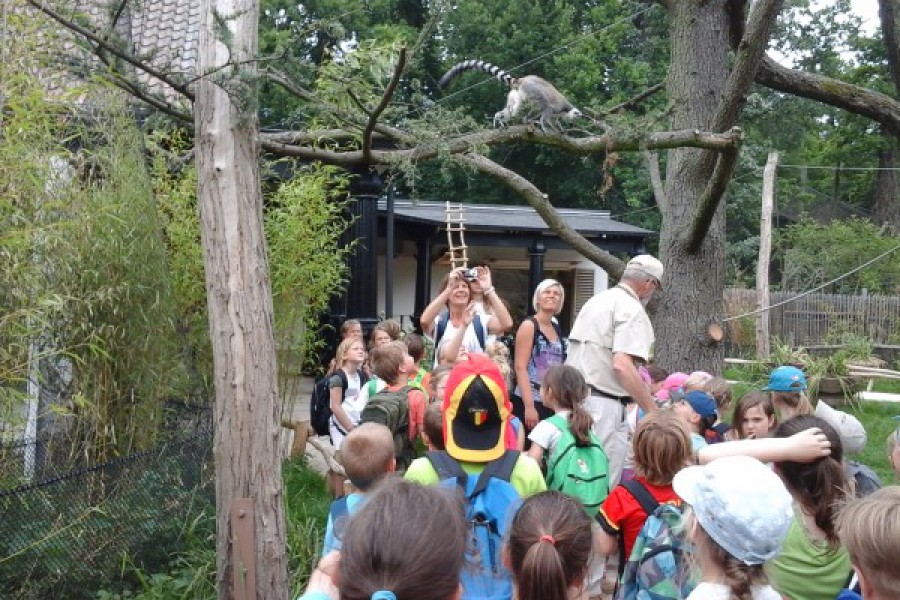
[(610, 338)]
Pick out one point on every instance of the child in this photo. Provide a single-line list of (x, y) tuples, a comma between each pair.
[(720, 390), (433, 428), (351, 328), (391, 363), (405, 564), (563, 390), (893, 444), (367, 456), (741, 514), (344, 390), (662, 447), (698, 410), (754, 416), (418, 376), (438, 383), (499, 353), (870, 530), (812, 564), (658, 376), (696, 381), (548, 547), (672, 383)]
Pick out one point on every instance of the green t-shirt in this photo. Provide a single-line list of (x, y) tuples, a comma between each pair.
[(526, 477), (807, 569)]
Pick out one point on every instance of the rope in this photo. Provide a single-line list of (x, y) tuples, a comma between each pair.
[(815, 289)]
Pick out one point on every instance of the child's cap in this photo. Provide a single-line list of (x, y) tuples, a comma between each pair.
[(741, 503), (851, 431), (786, 379), (476, 410), (702, 403), (671, 383)]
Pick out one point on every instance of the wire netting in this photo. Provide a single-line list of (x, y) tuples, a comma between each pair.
[(70, 534)]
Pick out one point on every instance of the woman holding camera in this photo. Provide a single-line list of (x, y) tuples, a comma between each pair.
[(460, 328)]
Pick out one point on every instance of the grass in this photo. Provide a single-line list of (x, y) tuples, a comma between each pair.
[(876, 417)]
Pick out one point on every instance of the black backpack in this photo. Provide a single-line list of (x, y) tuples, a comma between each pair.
[(320, 400)]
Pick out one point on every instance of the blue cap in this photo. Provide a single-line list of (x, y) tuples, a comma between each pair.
[(702, 403), (786, 379)]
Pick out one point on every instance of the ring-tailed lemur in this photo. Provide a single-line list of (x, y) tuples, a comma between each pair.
[(550, 102)]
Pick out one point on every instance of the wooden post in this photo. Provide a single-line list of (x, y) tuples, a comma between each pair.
[(765, 251)]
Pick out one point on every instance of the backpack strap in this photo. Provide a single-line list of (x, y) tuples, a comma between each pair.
[(479, 330), (441, 326), (501, 468), (447, 467), (642, 495), (339, 508), (537, 334)]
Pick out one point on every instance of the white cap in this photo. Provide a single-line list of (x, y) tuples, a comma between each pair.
[(741, 504), (851, 431), (648, 264)]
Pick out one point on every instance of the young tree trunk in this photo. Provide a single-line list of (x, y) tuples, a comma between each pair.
[(247, 406), (887, 188), (694, 281)]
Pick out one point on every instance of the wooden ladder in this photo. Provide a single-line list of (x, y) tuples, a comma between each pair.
[(456, 224)]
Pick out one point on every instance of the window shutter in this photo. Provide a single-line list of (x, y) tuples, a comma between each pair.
[(584, 288)]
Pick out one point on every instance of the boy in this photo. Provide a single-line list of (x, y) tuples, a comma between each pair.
[(662, 447), (698, 410), (367, 455), (720, 390), (433, 428), (397, 405), (870, 530), (419, 377)]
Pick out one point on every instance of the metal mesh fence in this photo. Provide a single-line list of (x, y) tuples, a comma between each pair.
[(70, 535)]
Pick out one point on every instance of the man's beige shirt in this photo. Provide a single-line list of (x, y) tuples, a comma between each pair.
[(612, 321)]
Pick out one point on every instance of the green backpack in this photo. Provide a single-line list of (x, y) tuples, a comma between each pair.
[(391, 409), (578, 471)]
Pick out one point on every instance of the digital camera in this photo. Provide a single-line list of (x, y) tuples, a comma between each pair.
[(470, 274)]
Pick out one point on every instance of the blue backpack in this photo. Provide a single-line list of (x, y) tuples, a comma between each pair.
[(491, 500)]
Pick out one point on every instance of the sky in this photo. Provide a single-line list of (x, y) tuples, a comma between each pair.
[(868, 10)]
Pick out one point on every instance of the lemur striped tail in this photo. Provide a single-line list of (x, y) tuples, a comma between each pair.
[(478, 65)]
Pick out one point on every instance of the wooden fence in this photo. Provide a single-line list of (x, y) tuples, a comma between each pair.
[(816, 319)]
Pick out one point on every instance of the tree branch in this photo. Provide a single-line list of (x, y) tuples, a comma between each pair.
[(750, 50), (538, 200), (385, 100), (635, 100), (656, 182), (708, 203), (101, 43), (852, 98)]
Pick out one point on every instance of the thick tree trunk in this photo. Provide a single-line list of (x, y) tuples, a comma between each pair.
[(247, 406), (693, 281), (887, 189)]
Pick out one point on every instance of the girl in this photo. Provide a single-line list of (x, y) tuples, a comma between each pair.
[(351, 328), (459, 332), (754, 416), (539, 346), (549, 547), (345, 389), (563, 391), (438, 383), (405, 564), (741, 513), (812, 565)]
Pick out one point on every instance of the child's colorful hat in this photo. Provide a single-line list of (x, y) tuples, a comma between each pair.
[(702, 403), (741, 503), (476, 410)]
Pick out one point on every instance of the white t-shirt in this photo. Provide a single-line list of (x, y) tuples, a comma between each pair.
[(546, 435), (470, 339), (718, 591), (353, 404)]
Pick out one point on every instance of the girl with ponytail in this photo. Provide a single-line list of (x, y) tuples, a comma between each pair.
[(812, 565), (562, 391), (548, 547)]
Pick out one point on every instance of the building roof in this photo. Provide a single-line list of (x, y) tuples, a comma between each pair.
[(492, 217)]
